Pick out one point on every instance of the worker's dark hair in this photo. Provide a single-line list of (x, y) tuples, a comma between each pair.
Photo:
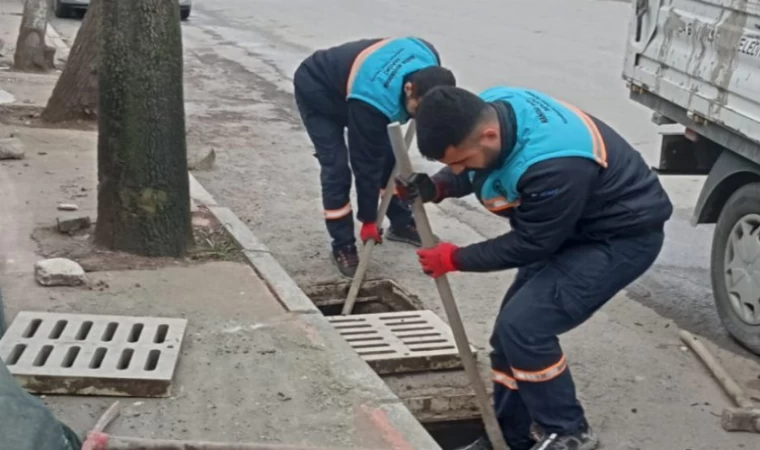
[(428, 78), (446, 116)]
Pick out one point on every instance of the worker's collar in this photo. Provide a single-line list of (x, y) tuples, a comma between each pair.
[(508, 127)]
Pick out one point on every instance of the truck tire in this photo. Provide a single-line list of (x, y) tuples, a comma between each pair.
[(735, 266), (184, 13)]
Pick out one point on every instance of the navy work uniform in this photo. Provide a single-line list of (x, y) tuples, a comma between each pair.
[(587, 217), (359, 86)]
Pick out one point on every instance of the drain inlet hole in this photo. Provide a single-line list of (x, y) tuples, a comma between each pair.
[(58, 329), (152, 362), (161, 333), (125, 359), (97, 358), (84, 330), (134, 334), (34, 325), (16, 353), (43, 355), (110, 331), (71, 356)]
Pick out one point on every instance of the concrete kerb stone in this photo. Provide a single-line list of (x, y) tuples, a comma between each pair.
[(287, 292), (385, 411), (282, 285)]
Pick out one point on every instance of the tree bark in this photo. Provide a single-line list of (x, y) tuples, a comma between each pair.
[(143, 197), (32, 54), (75, 96)]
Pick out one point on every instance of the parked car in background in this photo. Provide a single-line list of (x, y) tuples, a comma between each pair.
[(67, 8)]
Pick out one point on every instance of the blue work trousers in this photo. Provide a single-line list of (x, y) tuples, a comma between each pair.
[(325, 122), (532, 382)]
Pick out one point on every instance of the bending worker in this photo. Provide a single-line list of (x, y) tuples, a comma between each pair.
[(363, 86), (586, 215)]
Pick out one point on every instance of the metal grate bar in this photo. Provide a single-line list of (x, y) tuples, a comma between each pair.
[(399, 342)]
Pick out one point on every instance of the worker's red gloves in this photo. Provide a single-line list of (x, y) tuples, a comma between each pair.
[(439, 260), (370, 231)]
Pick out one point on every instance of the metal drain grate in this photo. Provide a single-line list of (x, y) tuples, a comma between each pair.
[(398, 342), (51, 353)]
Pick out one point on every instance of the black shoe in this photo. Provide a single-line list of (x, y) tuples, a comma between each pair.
[(346, 259), (584, 439), (407, 235)]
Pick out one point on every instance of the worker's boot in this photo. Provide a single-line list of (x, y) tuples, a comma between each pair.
[(346, 259), (583, 439), (407, 234)]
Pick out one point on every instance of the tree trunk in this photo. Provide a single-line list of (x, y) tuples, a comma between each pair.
[(143, 192), (75, 95), (32, 54)]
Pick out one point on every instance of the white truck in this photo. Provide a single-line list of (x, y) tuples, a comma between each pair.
[(697, 63)]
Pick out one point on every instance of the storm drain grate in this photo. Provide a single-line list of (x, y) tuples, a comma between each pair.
[(82, 354), (398, 342)]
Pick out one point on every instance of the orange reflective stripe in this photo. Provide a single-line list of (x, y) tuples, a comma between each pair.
[(333, 214), (505, 380), (542, 375), (500, 204), (600, 148), (357, 64)]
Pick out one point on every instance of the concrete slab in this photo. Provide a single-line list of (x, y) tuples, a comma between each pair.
[(87, 354), (250, 370)]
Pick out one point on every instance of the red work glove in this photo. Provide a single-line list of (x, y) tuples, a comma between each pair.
[(439, 260), (370, 231)]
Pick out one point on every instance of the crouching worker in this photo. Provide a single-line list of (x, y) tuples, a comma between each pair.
[(363, 86), (586, 216)]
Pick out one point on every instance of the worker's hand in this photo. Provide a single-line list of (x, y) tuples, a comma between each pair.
[(416, 185), (439, 260), (370, 231)]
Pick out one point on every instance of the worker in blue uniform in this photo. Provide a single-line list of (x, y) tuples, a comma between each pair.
[(363, 86), (586, 216)]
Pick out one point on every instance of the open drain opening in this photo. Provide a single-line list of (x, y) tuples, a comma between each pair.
[(454, 434), (375, 296)]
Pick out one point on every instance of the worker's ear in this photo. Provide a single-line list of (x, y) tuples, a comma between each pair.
[(488, 134), (408, 89)]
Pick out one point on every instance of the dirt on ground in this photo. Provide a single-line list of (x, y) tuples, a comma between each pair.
[(29, 116), (211, 243)]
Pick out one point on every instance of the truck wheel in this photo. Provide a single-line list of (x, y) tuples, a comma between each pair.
[(735, 266)]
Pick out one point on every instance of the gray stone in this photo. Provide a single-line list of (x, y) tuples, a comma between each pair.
[(11, 148), (67, 207), (73, 224), (59, 272)]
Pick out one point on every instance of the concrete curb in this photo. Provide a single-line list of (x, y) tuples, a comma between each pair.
[(387, 412)]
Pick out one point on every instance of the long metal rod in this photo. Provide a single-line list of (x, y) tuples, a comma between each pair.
[(404, 165), (385, 202)]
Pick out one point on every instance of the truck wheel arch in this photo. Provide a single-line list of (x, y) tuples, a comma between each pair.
[(729, 173)]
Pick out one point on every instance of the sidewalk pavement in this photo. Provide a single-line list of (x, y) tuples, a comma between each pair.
[(258, 364)]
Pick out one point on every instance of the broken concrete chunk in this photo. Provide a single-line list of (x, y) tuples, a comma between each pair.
[(205, 163), (11, 148), (67, 207), (72, 224), (59, 272)]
